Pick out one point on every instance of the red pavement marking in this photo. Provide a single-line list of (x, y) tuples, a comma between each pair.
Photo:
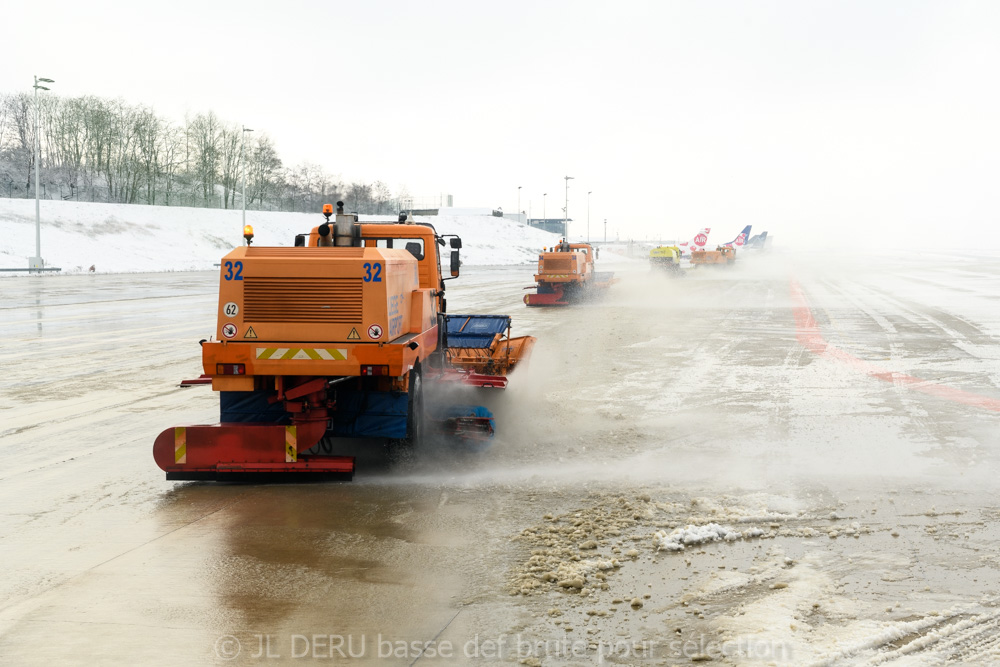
[(808, 334)]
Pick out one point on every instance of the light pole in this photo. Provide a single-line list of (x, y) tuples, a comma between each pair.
[(36, 261), (605, 230), (566, 209), (588, 217), (543, 205), (243, 163), (519, 203)]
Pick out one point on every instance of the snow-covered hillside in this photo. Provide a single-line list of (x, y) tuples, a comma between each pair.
[(130, 238)]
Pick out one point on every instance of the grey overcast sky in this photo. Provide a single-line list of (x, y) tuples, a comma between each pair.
[(871, 122)]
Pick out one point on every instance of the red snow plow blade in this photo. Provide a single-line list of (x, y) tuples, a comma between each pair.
[(471, 379), (242, 450), (202, 379), (555, 297)]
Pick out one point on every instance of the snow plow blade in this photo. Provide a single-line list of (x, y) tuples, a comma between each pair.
[(470, 379), (553, 298), (244, 451), (481, 346), (202, 379), (603, 279)]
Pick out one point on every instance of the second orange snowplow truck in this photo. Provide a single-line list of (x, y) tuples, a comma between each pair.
[(336, 338), (566, 275), (721, 256)]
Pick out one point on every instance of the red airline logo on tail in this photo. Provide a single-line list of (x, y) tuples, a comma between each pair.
[(700, 240)]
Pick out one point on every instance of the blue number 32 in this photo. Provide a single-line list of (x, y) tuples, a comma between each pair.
[(369, 276), (238, 275)]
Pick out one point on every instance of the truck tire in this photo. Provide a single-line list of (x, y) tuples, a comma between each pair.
[(416, 416)]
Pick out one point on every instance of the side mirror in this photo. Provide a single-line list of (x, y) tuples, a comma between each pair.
[(456, 242), (455, 262)]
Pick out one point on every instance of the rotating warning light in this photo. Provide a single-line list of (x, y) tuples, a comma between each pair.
[(248, 233)]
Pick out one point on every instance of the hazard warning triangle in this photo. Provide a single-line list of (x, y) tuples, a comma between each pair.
[(353, 335), (250, 333)]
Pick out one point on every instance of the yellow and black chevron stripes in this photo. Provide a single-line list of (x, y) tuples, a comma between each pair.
[(291, 445), (303, 353), (180, 445)]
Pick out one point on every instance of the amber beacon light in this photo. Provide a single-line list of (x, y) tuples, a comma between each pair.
[(248, 233)]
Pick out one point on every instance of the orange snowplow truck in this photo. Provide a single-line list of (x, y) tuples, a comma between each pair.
[(566, 275), (335, 338), (721, 256)]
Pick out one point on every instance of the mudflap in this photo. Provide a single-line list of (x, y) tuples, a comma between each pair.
[(373, 414)]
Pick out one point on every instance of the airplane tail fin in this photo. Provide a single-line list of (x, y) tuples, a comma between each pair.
[(699, 241), (741, 238), (758, 241)]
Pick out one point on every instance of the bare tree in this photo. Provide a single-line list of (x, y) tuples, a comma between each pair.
[(263, 169), (20, 110), (381, 196), (230, 137), (205, 138), (127, 153), (359, 197)]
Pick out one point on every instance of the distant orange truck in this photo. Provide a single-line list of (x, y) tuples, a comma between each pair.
[(566, 275), (721, 256)]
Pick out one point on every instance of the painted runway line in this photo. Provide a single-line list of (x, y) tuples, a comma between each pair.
[(809, 336)]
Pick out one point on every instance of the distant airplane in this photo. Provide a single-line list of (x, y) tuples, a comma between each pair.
[(740, 239), (757, 242), (697, 243)]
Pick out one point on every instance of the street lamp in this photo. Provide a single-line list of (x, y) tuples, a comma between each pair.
[(543, 205), (519, 203), (605, 230), (243, 163), (566, 209), (36, 262), (588, 217)]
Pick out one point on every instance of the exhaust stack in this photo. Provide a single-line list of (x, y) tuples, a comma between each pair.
[(343, 227)]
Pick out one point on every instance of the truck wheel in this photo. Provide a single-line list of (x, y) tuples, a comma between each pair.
[(416, 418)]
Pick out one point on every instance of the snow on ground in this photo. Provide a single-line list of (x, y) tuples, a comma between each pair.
[(680, 538), (130, 238)]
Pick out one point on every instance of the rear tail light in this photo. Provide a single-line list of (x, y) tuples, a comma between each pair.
[(230, 369), (374, 370)]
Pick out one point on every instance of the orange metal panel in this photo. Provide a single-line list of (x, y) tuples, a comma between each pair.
[(399, 357), (302, 294), (422, 314), (229, 383)]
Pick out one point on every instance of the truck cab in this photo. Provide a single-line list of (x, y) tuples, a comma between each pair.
[(721, 256), (566, 263), (666, 258)]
